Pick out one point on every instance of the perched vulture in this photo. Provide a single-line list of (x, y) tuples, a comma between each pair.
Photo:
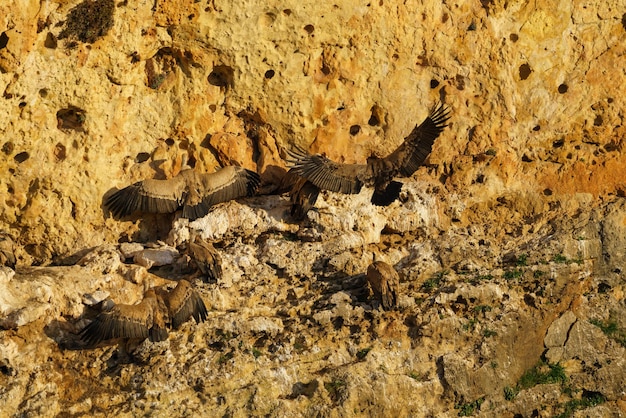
[(149, 318), (206, 258), (323, 173), (385, 283), (7, 250), (192, 191)]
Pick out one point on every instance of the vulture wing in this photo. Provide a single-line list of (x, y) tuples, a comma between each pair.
[(210, 189), (123, 321), (409, 156), (183, 302), (152, 196), (327, 174)]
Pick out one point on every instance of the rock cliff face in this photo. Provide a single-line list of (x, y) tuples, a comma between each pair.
[(509, 243)]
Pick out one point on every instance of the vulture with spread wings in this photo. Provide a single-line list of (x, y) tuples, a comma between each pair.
[(150, 318), (192, 191), (322, 173)]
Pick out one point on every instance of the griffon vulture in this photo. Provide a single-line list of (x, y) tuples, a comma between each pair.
[(206, 258), (192, 191), (322, 173), (385, 283), (149, 318)]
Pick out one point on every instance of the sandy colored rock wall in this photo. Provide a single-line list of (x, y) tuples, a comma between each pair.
[(509, 242), (536, 95)]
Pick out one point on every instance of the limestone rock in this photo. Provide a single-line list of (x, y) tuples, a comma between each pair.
[(516, 220), (150, 257), (557, 336)]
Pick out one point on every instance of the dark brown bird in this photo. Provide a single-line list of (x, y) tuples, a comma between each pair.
[(206, 258), (7, 250), (149, 318), (385, 283), (378, 172), (303, 197), (192, 191)]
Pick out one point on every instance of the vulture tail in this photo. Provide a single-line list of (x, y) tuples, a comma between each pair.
[(303, 197), (387, 196)]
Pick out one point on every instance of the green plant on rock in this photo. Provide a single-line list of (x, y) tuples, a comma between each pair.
[(510, 393), (489, 333), (521, 260), (336, 388), (611, 330), (513, 274), (540, 374), (587, 400), (434, 281), (482, 308), (468, 409), (363, 352), (416, 376), (470, 325)]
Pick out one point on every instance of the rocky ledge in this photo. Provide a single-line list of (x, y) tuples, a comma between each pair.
[(533, 329)]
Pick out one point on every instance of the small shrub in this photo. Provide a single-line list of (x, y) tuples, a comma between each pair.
[(513, 274), (468, 409)]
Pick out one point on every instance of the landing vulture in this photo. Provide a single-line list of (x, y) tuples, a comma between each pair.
[(192, 191), (325, 174), (385, 283), (206, 258), (149, 318)]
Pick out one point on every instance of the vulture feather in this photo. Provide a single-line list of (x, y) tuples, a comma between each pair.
[(149, 318), (326, 174), (194, 192)]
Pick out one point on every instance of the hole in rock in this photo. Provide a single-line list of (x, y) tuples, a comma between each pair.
[(309, 29), (524, 71), (222, 76), (60, 152), (8, 148), (89, 20), (598, 121), (269, 74), (142, 157), (563, 88), (21, 157), (376, 116), (4, 40), (51, 41), (71, 118), (355, 129)]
